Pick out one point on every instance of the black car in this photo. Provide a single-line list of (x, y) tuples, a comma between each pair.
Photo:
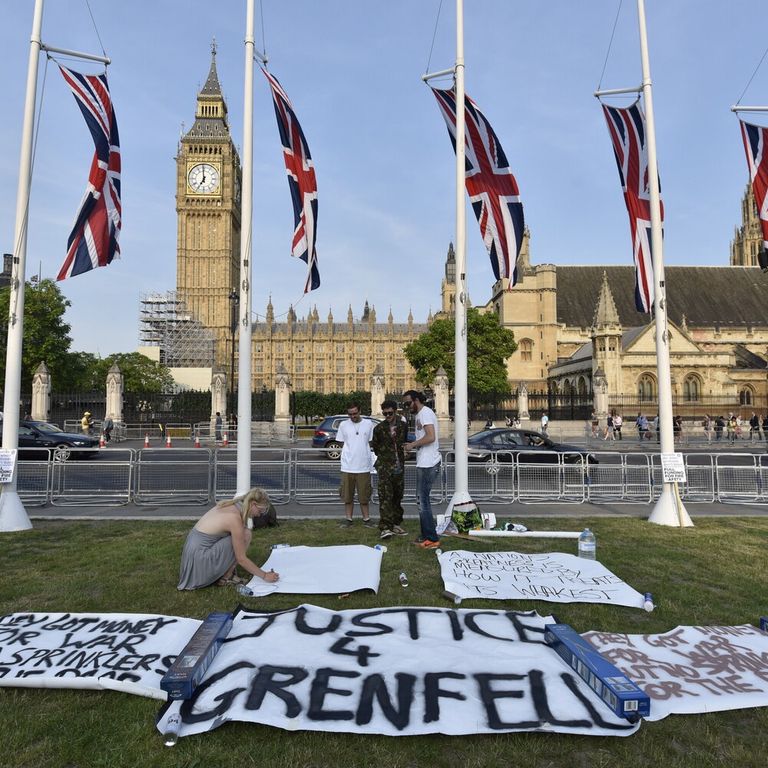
[(505, 444), (39, 439)]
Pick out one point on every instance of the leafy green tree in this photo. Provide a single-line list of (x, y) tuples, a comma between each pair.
[(46, 335), (488, 347), (140, 374)]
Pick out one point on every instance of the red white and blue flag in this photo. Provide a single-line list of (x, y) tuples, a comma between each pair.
[(301, 180), (491, 187), (627, 129), (93, 241), (756, 145)]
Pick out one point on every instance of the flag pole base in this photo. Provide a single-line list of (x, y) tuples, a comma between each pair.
[(670, 510), (13, 516), (459, 497)]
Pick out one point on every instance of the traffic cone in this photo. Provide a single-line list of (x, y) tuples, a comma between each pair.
[(102, 441), (146, 441), (168, 441), (197, 440), (224, 440)]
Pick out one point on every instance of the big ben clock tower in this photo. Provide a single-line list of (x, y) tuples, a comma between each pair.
[(208, 180)]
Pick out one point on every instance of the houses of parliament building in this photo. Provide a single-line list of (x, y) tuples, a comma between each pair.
[(575, 326)]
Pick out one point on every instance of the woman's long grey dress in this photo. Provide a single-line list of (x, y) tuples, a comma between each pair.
[(205, 559)]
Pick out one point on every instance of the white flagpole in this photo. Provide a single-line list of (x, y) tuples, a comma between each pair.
[(669, 509), (460, 427), (246, 247), (13, 516)]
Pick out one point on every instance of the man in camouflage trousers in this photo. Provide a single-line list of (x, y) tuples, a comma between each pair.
[(389, 437)]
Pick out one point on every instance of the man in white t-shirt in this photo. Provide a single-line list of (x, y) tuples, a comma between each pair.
[(544, 423), (355, 433), (427, 463)]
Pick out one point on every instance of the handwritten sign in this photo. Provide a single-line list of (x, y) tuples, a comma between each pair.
[(555, 577), (673, 467), (7, 464), (320, 570), (129, 652), (395, 671), (693, 669)]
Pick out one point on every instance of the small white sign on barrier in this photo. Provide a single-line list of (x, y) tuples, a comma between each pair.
[(7, 464), (673, 467)]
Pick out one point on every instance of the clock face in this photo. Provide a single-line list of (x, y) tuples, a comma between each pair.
[(203, 178)]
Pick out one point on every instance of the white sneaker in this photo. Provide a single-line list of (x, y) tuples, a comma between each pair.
[(399, 531), (386, 534)]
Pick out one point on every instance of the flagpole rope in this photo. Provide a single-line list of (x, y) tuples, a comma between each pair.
[(263, 33), (434, 35), (610, 44), (759, 64), (96, 29)]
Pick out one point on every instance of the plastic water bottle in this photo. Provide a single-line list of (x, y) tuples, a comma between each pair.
[(587, 544), (280, 546), (172, 728), (455, 599), (381, 547), (244, 590), (438, 552), (648, 602), (403, 579)]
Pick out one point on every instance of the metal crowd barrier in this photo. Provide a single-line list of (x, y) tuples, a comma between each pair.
[(163, 476), (270, 469), (80, 482), (173, 476)]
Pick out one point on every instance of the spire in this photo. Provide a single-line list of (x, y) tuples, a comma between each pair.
[(212, 87), (390, 319), (410, 317), (605, 312), (366, 311), (270, 311), (330, 317), (350, 318)]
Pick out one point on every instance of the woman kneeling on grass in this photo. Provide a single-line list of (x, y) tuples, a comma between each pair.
[(220, 540)]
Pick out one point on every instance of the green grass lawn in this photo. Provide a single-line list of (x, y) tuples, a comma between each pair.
[(711, 574)]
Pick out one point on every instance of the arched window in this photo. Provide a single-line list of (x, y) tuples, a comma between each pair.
[(746, 396), (646, 388), (567, 388), (553, 388), (526, 350), (582, 386), (692, 388)]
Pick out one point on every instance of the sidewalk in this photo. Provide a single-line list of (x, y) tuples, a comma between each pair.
[(335, 511)]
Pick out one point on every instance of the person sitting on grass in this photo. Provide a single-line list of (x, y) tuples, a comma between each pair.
[(220, 539)]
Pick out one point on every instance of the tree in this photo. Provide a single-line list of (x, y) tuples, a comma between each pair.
[(46, 335), (140, 374), (488, 347)]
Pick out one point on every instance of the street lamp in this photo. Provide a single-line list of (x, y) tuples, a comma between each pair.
[(234, 304)]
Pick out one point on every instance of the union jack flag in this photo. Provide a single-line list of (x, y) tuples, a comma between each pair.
[(627, 129), (301, 180), (755, 144), (491, 186), (93, 241)]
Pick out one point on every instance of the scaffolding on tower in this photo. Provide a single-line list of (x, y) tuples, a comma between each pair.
[(167, 323)]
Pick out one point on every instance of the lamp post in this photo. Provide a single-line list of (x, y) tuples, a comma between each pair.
[(234, 303)]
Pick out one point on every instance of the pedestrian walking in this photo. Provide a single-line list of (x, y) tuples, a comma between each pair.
[(217, 425), (544, 423), (617, 422)]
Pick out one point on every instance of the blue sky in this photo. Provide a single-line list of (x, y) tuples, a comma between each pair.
[(383, 159)]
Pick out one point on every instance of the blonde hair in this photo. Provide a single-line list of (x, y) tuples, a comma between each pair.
[(259, 495)]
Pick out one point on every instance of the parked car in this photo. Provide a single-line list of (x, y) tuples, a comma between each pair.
[(505, 444), (39, 439), (325, 434)]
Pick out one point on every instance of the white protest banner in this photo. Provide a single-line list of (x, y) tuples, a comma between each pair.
[(320, 570), (7, 464), (395, 671), (554, 576), (693, 669), (126, 652)]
